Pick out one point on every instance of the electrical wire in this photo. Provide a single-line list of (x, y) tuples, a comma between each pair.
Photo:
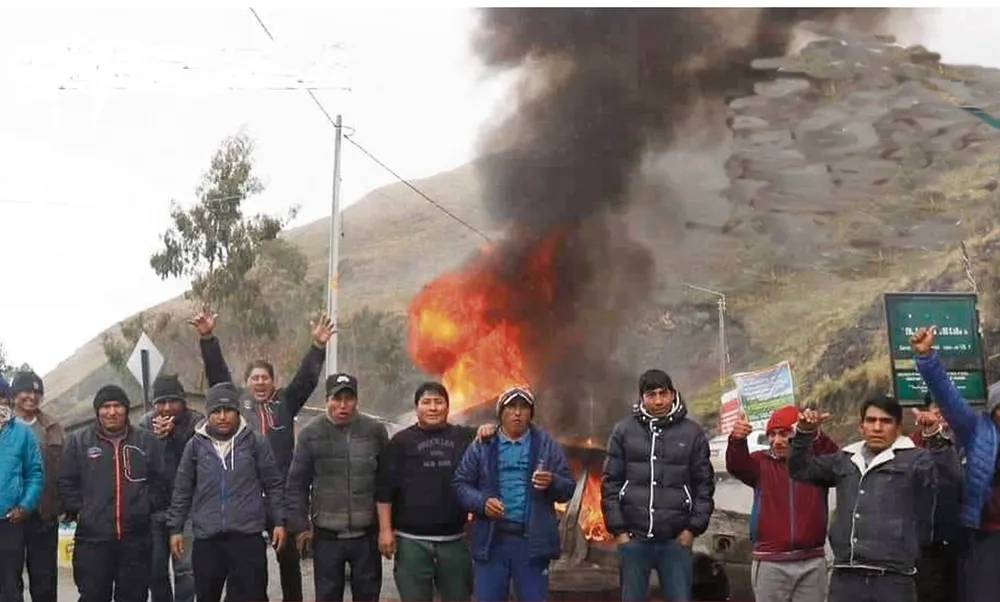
[(372, 156)]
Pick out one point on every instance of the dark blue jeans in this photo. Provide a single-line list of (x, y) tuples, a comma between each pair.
[(857, 585), (639, 557), (159, 584), (509, 563)]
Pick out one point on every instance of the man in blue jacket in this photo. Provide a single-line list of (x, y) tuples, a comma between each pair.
[(21, 481), (510, 483), (978, 434), (222, 479)]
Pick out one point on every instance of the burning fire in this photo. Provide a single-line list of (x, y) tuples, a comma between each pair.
[(591, 516), (591, 519), (469, 327), (464, 325)]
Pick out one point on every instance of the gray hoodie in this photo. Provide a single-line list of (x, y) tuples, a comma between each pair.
[(222, 485)]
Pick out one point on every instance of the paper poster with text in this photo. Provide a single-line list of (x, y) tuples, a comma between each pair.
[(764, 391), (729, 412)]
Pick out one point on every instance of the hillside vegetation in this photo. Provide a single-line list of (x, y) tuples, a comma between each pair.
[(833, 185)]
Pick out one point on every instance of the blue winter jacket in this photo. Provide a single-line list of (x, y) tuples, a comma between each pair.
[(975, 432), (226, 494), (21, 473), (476, 480)]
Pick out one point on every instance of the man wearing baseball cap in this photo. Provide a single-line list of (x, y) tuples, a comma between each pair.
[(336, 458), (788, 518), (112, 478), (41, 530), (510, 483)]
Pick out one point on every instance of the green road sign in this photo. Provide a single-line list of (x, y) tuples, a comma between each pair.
[(957, 342)]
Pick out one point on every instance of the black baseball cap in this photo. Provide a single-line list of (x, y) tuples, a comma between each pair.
[(335, 383)]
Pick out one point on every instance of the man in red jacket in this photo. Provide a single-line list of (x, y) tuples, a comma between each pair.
[(788, 519)]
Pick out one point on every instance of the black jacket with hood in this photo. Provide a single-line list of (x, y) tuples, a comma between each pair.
[(274, 418), (658, 478)]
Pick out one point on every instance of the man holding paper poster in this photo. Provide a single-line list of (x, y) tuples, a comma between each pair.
[(765, 391)]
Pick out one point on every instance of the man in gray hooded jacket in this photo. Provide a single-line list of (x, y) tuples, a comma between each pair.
[(221, 480)]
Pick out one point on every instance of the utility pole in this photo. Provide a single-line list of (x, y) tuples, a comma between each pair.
[(333, 285), (723, 346)]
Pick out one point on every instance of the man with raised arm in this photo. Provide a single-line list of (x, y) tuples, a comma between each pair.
[(270, 410), (978, 434), (885, 501), (788, 518)]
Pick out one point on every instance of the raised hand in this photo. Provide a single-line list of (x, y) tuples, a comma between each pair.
[(927, 421), (742, 428), (810, 420), (923, 340), (204, 320), (323, 329)]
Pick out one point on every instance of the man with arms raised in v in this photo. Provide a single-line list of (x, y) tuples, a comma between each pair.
[(270, 410)]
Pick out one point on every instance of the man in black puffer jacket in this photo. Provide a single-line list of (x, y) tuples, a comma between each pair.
[(656, 490)]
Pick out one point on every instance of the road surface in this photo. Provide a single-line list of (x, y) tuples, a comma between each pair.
[(67, 590)]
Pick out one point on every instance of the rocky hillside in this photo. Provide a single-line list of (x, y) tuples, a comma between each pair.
[(853, 173)]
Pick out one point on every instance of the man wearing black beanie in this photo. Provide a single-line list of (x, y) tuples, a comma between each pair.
[(112, 477), (174, 423), (41, 529)]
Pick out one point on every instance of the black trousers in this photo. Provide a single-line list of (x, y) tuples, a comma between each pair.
[(41, 543), (332, 555), (11, 560), (113, 570), (232, 560), (290, 570), (858, 585), (937, 573), (981, 569)]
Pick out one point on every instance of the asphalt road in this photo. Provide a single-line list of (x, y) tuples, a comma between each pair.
[(67, 590)]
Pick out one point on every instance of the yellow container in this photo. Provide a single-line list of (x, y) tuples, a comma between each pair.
[(66, 533)]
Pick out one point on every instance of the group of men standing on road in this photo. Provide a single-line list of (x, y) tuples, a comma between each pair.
[(199, 490), (901, 501)]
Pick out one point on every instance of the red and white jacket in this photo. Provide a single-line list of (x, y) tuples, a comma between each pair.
[(789, 518)]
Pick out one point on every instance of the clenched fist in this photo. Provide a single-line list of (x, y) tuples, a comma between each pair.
[(922, 341)]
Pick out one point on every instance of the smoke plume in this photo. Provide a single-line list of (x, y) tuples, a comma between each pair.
[(597, 90)]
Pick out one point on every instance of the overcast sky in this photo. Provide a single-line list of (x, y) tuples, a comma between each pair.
[(88, 173)]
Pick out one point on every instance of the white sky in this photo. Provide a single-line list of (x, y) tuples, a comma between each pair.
[(88, 174)]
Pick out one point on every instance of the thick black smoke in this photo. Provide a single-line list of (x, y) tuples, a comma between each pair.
[(598, 89)]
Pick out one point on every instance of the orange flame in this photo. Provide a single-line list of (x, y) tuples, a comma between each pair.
[(591, 515), (467, 327), (591, 519), (463, 326)]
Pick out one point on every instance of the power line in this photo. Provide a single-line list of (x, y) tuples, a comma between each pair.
[(372, 157), (416, 190)]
